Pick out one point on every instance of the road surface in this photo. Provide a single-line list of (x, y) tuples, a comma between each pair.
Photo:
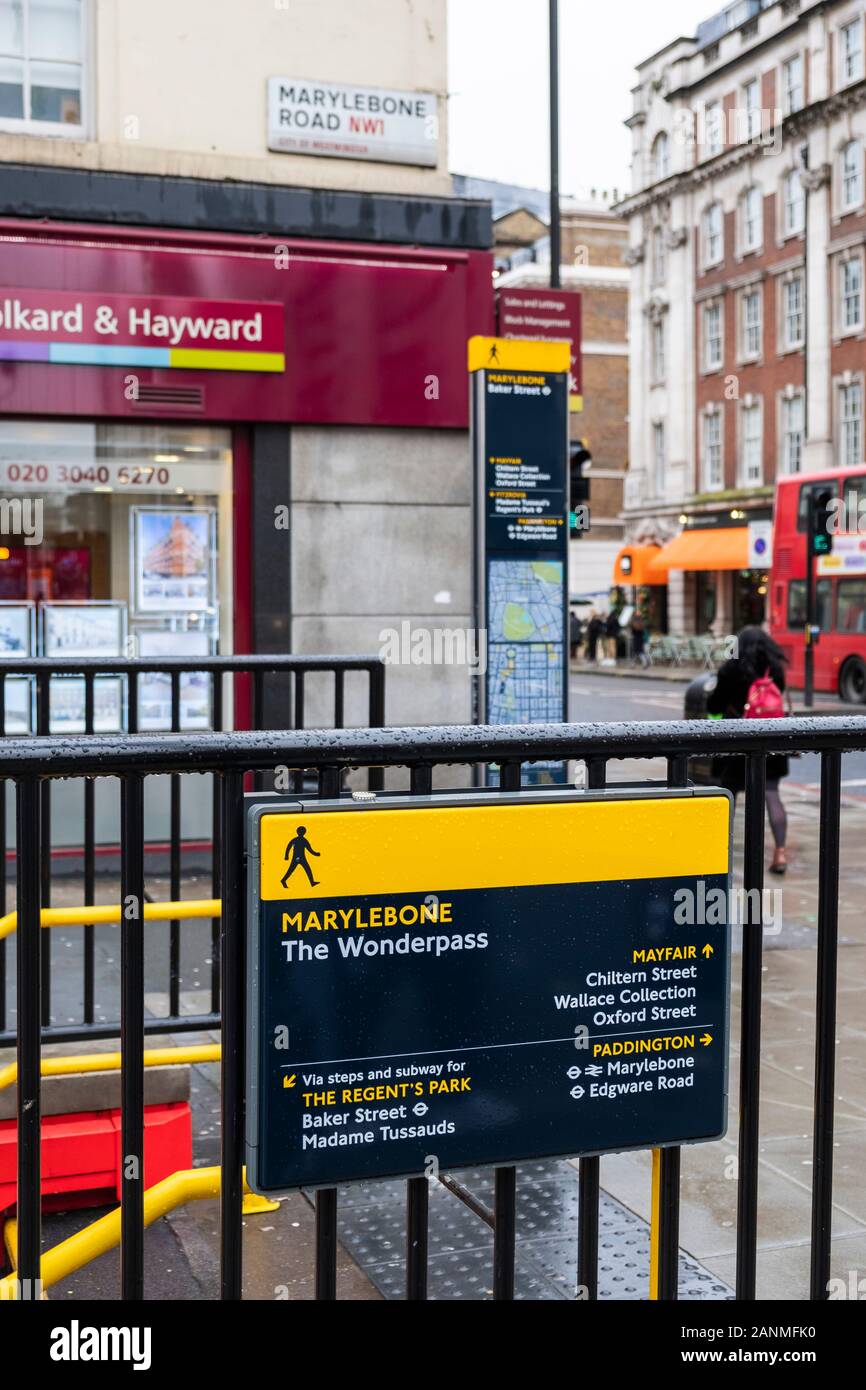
[(602, 698)]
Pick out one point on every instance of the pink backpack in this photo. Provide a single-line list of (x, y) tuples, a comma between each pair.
[(764, 700)]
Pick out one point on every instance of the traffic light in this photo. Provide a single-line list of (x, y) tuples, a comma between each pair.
[(821, 519), (579, 458)]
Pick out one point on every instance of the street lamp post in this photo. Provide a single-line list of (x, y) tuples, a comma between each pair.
[(555, 232), (811, 615)]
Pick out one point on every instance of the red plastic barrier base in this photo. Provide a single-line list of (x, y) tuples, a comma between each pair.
[(81, 1155)]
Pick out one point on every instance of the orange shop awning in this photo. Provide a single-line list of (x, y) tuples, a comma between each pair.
[(725, 548), (635, 564)]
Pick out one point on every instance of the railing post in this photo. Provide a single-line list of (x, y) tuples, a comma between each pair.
[(666, 1216), (417, 1189), (174, 851), (43, 728), (232, 982), (326, 1244), (589, 1169), (132, 1036), (505, 1178), (825, 1022), (504, 1232), (326, 1198), (376, 775), (750, 1038), (29, 989)]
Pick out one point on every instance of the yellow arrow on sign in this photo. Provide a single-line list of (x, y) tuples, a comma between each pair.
[(706, 1040), (289, 1081), (707, 951)]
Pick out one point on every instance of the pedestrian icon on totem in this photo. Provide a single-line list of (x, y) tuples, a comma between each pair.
[(494, 354), (297, 850)]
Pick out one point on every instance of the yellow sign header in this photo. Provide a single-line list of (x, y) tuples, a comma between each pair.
[(518, 355), (316, 855)]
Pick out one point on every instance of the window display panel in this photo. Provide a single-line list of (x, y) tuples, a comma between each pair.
[(17, 639), (94, 629), (174, 559), (121, 545), (133, 514), (16, 629), (154, 689)]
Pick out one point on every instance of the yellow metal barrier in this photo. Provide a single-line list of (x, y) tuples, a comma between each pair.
[(109, 913), (110, 1061), (191, 1185), (655, 1223)]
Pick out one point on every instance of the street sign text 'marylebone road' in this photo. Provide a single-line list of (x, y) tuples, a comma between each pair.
[(444, 982)]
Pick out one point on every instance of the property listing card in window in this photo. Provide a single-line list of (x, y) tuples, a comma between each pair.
[(17, 639), (96, 628), (154, 689), (173, 559), (16, 629)]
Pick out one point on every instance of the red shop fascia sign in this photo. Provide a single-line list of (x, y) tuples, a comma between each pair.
[(303, 332)]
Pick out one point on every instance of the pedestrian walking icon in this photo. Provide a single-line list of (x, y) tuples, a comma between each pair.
[(297, 850), (493, 355)]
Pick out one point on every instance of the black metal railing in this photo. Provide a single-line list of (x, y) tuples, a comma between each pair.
[(277, 684), (329, 754)]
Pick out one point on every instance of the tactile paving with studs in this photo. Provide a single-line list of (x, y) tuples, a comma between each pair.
[(372, 1227)]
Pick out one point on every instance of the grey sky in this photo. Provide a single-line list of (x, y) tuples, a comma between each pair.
[(497, 79)]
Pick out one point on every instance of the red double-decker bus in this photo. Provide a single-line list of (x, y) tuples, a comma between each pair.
[(840, 653)]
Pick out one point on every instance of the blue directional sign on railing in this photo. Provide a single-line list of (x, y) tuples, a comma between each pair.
[(441, 983)]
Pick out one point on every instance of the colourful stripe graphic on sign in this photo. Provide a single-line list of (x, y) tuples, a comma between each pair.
[(110, 355)]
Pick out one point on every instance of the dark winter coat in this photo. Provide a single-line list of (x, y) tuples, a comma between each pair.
[(729, 699)]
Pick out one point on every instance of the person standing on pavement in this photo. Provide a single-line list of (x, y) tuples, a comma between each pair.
[(637, 627), (594, 629), (750, 686), (575, 633), (611, 632)]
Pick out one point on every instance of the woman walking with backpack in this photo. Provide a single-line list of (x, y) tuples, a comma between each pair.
[(750, 686)]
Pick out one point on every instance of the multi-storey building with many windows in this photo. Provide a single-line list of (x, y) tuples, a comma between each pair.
[(747, 233)]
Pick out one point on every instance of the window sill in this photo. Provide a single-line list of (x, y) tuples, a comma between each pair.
[(45, 130)]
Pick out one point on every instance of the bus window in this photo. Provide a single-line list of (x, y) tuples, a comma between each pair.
[(797, 604), (855, 502), (852, 605), (803, 503)]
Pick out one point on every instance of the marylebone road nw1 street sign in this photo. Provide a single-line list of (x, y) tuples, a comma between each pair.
[(442, 982)]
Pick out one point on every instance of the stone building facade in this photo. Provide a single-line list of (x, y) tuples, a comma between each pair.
[(747, 229)]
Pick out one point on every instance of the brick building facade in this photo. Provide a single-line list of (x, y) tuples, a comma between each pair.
[(594, 242), (747, 227)]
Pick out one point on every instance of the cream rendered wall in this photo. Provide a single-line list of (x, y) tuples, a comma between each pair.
[(179, 87)]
